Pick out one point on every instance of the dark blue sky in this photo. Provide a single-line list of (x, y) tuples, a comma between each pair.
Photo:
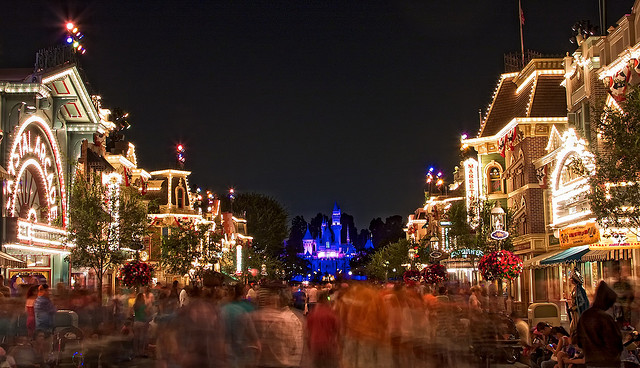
[(310, 102)]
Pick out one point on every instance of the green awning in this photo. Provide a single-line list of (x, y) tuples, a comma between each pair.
[(570, 255)]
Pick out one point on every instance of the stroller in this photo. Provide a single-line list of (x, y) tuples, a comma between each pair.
[(67, 340), (495, 338)]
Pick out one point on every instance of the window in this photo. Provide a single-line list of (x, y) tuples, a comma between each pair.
[(180, 197), (494, 178)]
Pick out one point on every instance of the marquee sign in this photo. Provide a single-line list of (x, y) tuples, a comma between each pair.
[(36, 192), (579, 235)]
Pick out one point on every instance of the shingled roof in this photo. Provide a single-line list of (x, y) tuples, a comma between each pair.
[(542, 96)]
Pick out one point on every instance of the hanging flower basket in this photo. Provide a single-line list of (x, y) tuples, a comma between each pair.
[(500, 264), (434, 274), (411, 277), (135, 274)]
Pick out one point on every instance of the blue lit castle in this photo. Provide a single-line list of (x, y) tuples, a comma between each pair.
[(326, 253)]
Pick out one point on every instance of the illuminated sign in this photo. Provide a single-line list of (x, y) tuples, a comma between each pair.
[(464, 253), (472, 190), (37, 191), (621, 239), (499, 235), (570, 186), (579, 235)]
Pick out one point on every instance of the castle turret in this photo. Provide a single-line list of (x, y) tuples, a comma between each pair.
[(336, 227), (307, 243)]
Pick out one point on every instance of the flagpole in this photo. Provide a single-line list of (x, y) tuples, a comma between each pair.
[(521, 21)]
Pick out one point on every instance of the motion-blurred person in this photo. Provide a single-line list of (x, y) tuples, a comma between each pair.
[(44, 310), (32, 294), (184, 296), (312, 297), (625, 296), (323, 329), (201, 334), (597, 332), (140, 325), (241, 338), (252, 293), (279, 331), (362, 314), (475, 306)]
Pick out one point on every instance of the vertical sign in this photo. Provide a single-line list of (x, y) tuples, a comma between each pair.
[(472, 189)]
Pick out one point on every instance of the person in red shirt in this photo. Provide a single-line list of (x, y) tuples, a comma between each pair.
[(323, 329)]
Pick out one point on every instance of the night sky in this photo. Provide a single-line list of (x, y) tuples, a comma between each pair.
[(310, 102)]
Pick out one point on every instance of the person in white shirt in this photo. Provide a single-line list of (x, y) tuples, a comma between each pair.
[(184, 297)]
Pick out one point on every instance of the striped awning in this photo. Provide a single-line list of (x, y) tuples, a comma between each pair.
[(535, 261), (596, 255), (9, 261), (566, 256), (601, 255)]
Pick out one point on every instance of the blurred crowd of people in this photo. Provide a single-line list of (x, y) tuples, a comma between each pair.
[(274, 324)]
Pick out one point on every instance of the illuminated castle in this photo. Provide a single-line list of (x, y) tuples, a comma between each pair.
[(326, 252)]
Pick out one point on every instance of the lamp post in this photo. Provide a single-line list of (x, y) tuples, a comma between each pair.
[(386, 271), (498, 223)]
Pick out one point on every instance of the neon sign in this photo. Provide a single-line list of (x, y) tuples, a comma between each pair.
[(472, 190), (34, 162)]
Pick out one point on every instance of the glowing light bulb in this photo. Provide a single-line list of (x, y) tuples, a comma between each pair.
[(69, 40), (70, 26), (76, 44), (74, 30)]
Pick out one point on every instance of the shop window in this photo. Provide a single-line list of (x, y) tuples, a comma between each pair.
[(494, 179)]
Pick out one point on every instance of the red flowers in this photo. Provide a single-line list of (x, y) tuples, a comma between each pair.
[(500, 265), (434, 274), (135, 273)]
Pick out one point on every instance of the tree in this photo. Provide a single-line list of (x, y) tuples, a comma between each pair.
[(293, 263), (104, 220), (266, 221), (190, 250), (388, 262), (388, 231), (615, 189)]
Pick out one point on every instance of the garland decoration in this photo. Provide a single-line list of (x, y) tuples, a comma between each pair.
[(500, 264), (136, 273)]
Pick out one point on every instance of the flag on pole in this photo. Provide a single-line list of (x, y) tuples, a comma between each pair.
[(521, 16)]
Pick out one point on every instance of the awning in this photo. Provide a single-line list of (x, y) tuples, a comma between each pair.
[(606, 255), (535, 261), (569, 255), (458, 263), (596, 255), (8, 261)]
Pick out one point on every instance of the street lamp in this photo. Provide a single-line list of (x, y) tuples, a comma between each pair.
[(433, 242), (498, 223), (497, 217)]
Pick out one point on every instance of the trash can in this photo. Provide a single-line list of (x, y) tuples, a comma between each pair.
[(543, 312)]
